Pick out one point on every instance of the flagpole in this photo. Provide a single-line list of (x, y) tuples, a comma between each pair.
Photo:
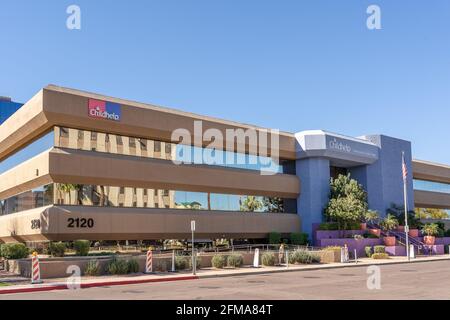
[(405, 195)]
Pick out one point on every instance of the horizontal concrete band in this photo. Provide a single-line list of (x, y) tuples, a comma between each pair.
[(87, 167), (141, 224), (67, 107), (423, 170), (428, 199)]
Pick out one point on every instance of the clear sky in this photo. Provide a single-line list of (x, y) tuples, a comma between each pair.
[(291, 65)]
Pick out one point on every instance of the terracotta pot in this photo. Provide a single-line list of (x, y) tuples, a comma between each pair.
[(376, 232), (401, 228), (363, 226), (429, 240), (414, 233), (389, 241)]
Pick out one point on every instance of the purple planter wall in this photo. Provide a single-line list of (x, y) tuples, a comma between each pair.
[(444, 241), (352, 244), (437, 249), (335, 234), (396, 250)]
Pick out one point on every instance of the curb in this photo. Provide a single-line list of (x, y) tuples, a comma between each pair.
[(93, 285), (284, 269), (59, 286)]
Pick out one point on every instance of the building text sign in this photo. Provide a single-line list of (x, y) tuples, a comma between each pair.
[(104, 110)]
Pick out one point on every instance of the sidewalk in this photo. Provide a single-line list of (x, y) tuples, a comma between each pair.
[(102, 281)]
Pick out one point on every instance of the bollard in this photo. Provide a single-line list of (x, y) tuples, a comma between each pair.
[(35, 270), (256, 259), (173, 261), (287, 258), (149, 262), (356, 257)]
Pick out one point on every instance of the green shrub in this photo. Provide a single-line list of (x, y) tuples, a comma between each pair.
[(447, 233), (299, 238), (268, 259), (353, 226), (14, 251), (303, 257), (379, 249), (274, 238), (368, 235), (333, 248), (117, 266), (368, 251), (235, 260), (92, 268), (218, 261), (181, 262), (57, 249), (198, 262), (133, 266), (378, 256), (81, 247), (328, 226)]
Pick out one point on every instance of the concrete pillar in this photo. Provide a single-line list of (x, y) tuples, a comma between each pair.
[(314, 174)]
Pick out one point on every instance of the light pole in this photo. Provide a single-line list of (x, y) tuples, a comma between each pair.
[(194, 266)]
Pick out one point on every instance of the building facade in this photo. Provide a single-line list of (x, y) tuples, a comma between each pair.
[(7, 108), (78, 165)]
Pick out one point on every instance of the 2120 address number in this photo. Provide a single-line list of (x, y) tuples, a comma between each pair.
[(80, 223)]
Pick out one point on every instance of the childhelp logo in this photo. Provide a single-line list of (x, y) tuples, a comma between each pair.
[(104, 110)]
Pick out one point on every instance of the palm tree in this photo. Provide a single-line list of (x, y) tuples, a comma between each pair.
[(66, 188), (251, 204)]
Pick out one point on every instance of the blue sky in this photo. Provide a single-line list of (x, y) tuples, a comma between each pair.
[(292, 65)]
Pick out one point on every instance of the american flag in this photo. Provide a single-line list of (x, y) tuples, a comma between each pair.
[(404, 168)]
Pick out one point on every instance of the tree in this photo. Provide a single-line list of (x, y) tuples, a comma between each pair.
[(399, 213), (348, 201), (251, 204), (343, 186), (430, 213), (371, 216), (273, 204), (194, 205), (67, 188), (389, 223), (345, 210)]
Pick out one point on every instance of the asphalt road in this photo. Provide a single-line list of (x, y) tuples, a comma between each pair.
[(428, 280)]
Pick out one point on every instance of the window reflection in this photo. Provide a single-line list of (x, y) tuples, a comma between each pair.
[(431, 186), (39, 197), (111, 143), (90, 195)]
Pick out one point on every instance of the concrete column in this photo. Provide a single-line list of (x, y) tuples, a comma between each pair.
[(314, 174)]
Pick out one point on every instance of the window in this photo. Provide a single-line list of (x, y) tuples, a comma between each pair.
[(94, 136), (64, 132), (119, 141), (157, 146), (132, 143), (143, 144)]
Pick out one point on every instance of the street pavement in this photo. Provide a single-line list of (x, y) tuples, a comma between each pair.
[(426, 280)]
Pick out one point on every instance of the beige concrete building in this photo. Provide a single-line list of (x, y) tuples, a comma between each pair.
[(78, 165)]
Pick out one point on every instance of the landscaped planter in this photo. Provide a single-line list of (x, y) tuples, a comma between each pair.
[(364, 226), (389, 241), (401, 228), (443, 240), (336, 234), (437, 249), (376, 232), (429, 240), (396, 250), (414, 233), (352, 244)]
